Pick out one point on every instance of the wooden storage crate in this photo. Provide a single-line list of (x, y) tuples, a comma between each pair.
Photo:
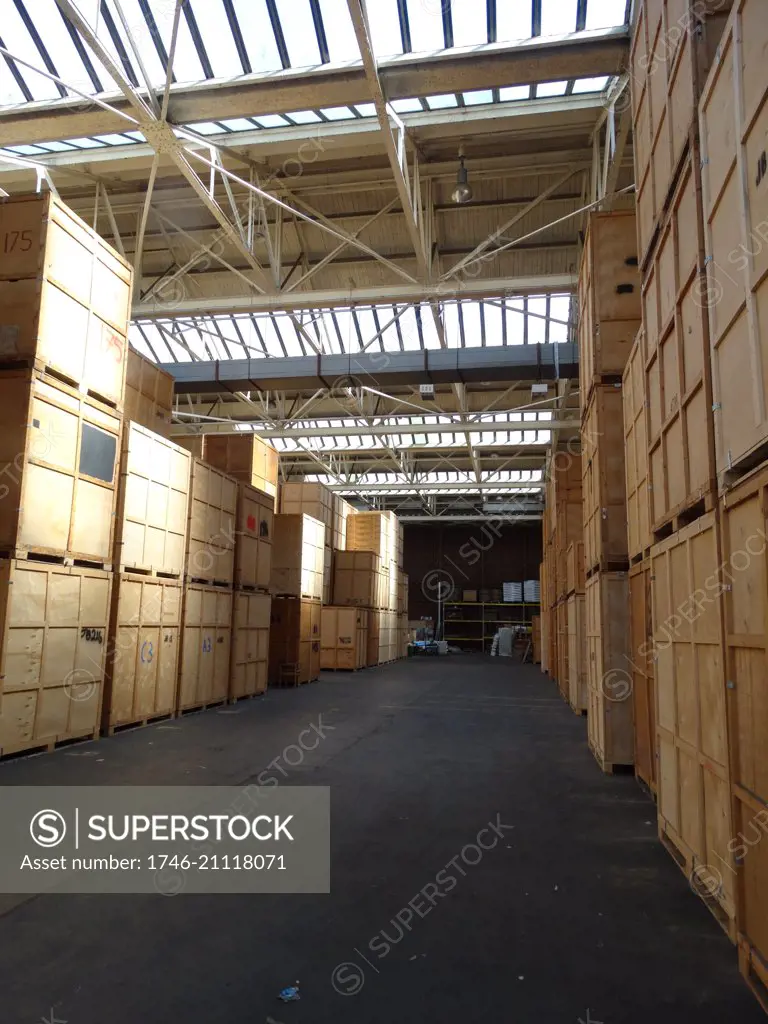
[(193, 443), (382, 637), (680, 44), (639, 537), (563, 649), (53, 647), (609, 680), (148, 394), (563, 484), (294, 640), (744, 578), (64, 296), (609, 298), (254, 530), (58, 469), (245, 457), (678, 383), (569, 530), (297, 498), (143, 650), (344, 638), (356, 579), (374, 531), (298, 552), (250, 644), (604, 483), (642, 672), (734, 123), (575, 568), (327, 575), (206, 638), (342, 510), (402, 593), (536, 639), (694, 798), (577, 655), (152, 503), (211, 534)]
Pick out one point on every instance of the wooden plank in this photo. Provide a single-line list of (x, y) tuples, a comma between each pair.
[(211, 534), (642, 673), (734, 122), (206, 636), (639, 537), (58, 469), (152, 503), (609, 715), (143, 650), (250, 644), (56, 271), (694, 799), (54, 623)]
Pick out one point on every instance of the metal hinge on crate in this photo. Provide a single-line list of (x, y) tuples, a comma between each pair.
[(716, 407), (730, 685)]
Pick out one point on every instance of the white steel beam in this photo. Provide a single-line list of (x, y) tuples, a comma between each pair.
[(377, 430)]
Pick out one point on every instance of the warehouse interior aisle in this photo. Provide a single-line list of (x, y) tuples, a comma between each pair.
[(574, 911)]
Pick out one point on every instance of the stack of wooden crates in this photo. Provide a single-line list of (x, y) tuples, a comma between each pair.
[(61, 396)]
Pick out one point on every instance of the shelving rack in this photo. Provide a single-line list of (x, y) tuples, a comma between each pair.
[(461, 626)]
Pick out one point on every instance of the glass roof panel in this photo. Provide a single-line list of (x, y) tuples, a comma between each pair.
[(219, 42), (515, 92), (259, 39), (479, 96), (19, 42), (494, 331), (337, 113), (426, 24), (605, 13), (405, 106), (551, 88), (366, 109), (339, 31), (440, 102), (558, 17), (537, 325), (271, 121), (385, 28), (590, 84), (299, 31), (304, 117), (469, 27), (472, 333)]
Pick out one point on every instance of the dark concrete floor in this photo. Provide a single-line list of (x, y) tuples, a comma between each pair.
[(576, 914)]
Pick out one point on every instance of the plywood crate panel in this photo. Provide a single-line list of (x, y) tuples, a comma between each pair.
[(402, 593), (577, 654), (678, 381), (544, 624), (679, 39), (342, 510), (153, 501), (734, 123), (250, 644), (575, 568), (297, 498), (356, 579), (327, 575), (344, 638), (694, 798), (563, 484), (148, 394), (143, 650), (56, 271), (604, 483), (211, 534), (639, 536), (609, 715), (254, 530), (609, 298), (569, 530), (58, 469), (563, 647), (374, 531), (245, 457), (641, 668), (744, 577), (53, 647), (382, 637), (294, 638), (206, 639), (298, 553)]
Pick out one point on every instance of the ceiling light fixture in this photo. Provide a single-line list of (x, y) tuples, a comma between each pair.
[(463, 191)]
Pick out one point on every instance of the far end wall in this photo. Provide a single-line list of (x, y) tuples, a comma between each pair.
[(472, 555)]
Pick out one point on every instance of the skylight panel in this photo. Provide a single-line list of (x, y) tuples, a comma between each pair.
[(558, 17), (112, 140), (551, 89), (472, 331), (141, 35), (56, 147), (451, 325), (337, 113), (469, 23), (86, 143), (441, 102), (409, 331), (347, 331), (429, 330), (515, 92), (24, 150), (511, 26), (426, 25), (137, 136), (494, 330), (205, 128), (366, 109), (478, 96), (239, 124), (271, 121), (515, 322), (605, 13), (537, 327), (58, 42), (217, 37), (256, 29), (20, 43), (10, 93), (405, 106), (385, 28), (339, 31), (590, 84), (304, 117), (299, 32)]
